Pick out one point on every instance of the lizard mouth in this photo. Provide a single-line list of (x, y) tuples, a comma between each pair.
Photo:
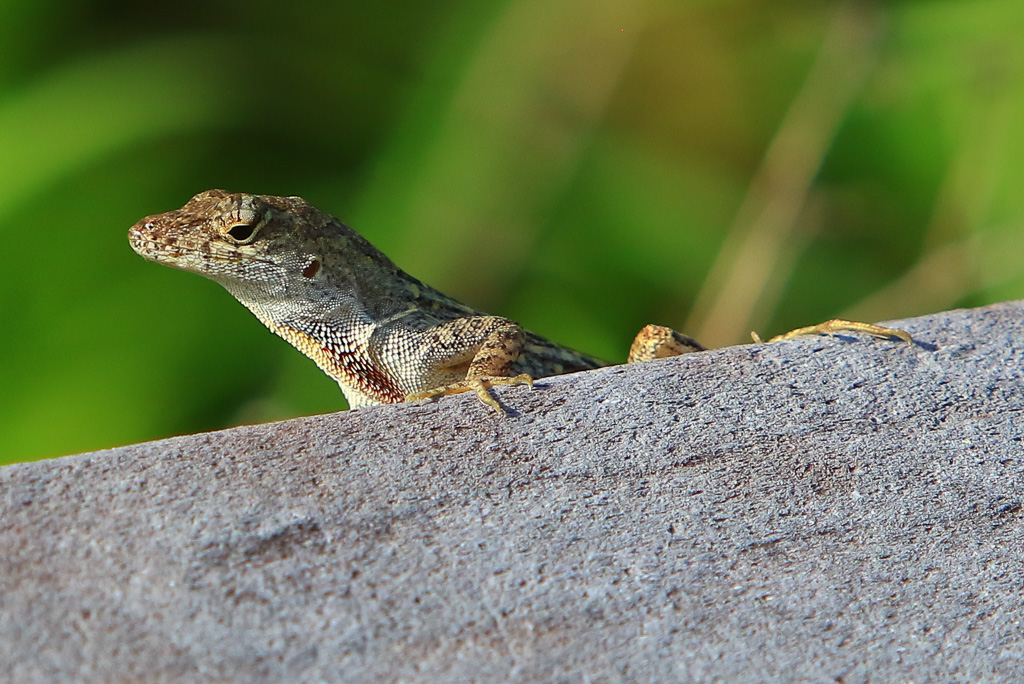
[(180, 253), (170, 250), (149, 246)]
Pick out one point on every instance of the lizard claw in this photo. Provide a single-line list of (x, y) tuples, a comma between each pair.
[(478, 385)]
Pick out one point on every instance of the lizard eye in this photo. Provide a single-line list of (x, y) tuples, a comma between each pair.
[(242, 232)]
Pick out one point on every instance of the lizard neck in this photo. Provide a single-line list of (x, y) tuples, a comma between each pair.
[(335, 333)]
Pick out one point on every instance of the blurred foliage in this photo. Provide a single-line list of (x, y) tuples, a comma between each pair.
[(582, 166)]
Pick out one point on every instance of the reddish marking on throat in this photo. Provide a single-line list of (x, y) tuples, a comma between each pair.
[(351, 366), (367, 377)]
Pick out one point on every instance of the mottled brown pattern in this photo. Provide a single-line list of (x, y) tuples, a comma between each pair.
[(658, 342)]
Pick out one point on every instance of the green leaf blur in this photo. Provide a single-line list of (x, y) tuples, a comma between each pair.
[(583, 167)]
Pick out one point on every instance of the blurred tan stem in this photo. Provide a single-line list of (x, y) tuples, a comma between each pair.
[(760, 248)]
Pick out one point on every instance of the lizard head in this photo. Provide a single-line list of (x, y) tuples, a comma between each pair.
[(259, 245), (279, 256)]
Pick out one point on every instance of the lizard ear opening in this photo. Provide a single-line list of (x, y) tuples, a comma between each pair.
[(311, 270)]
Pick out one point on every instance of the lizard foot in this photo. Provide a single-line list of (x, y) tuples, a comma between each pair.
[(839, 325), (478, 385)]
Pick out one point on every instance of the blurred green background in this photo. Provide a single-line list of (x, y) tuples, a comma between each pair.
[(581, 166)]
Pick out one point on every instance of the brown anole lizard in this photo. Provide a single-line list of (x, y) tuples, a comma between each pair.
[(384, 336)]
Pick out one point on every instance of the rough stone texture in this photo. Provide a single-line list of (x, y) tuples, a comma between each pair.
[(828, 509)]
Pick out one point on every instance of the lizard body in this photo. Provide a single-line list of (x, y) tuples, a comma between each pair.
[(383, 335), (379, 332)]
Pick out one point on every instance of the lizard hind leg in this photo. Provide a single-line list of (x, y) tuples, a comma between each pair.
[(837, 325), (658, 342)]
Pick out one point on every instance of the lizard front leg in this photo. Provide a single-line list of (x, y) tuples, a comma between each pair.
[(493, 346)]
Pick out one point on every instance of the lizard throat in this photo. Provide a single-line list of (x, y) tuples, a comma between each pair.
[(362, 381)]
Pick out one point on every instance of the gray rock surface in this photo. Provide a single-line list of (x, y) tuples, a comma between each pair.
[(827, 509)]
